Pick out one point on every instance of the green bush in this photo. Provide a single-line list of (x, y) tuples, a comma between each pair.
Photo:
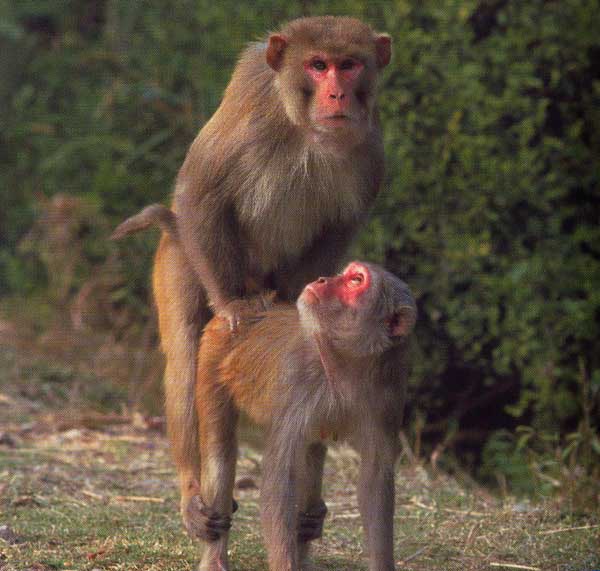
[(492, 116)]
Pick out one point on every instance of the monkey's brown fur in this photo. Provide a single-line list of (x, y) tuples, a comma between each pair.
[(153, 215), (270, 194)]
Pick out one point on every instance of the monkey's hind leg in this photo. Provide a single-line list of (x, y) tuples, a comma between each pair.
[(218, 453), (182, 312)]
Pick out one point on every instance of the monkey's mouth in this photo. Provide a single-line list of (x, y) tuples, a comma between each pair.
[(336, 120), (310, 296)]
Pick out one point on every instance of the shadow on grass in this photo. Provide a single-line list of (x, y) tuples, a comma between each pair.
[(253, 558), (337, 564)]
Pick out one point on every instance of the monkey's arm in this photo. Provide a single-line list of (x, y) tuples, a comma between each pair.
[(376, 498), (280, 495), (210, 235)]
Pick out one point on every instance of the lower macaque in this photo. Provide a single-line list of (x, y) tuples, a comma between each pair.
[(333, 366)]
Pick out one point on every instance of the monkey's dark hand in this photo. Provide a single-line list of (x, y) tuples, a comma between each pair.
[(234, 313), (239, 311), (310, 522), (205, 523)]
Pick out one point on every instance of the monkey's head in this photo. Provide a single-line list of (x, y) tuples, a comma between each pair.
[(365, 310), (327, 69)]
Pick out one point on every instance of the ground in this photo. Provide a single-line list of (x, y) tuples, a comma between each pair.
[(86, 490)]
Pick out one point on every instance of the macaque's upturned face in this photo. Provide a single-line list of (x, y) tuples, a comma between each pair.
[(327, 79), (339, 292), (363, 310)]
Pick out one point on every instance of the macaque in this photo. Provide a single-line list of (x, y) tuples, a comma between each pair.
[(333, 365), (270, 194)]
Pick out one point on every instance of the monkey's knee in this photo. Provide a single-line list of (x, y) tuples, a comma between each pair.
[(203, 522), (310, 522)]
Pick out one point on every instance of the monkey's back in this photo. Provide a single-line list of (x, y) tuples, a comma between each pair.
[(247, 363)]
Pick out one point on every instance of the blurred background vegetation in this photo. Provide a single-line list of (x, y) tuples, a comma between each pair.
[(491, 207)]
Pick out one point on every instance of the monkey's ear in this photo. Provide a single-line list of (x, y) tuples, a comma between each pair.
[(401, 322), (383, 50), (275, 50)]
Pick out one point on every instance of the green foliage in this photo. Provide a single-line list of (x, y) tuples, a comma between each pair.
[(547, 461), (491, 120), (491, 112)]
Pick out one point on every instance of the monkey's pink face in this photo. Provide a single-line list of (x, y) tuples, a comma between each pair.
[(346, 288), (329, 93), (335, 81)]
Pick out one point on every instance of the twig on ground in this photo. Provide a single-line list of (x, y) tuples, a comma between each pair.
[(414, 555), (562, 529), (514, 566), (469, 539), (137, 499), (463, 512)]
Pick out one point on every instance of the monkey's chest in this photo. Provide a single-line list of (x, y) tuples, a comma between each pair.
[(283, 217)]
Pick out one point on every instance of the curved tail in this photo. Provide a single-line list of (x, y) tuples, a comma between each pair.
[(153, 215)]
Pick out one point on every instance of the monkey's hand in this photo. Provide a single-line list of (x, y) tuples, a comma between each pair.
[(233, 313), (238, 311), (205, 523), (310, 522)]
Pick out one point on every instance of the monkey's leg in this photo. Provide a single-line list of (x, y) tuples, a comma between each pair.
[(376, 501), (280, 496), (313, 508), (218, 453), (182, 312)]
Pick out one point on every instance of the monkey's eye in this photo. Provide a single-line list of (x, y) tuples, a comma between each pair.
[(347, 64), (318, 64), (356, 280)]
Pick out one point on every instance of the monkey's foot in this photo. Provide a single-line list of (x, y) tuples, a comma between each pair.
[(310, 522), (203, 522)]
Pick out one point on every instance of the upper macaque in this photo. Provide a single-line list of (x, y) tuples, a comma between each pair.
[(277, 182)]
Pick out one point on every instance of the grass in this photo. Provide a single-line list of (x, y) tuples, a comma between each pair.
[(79, 495)]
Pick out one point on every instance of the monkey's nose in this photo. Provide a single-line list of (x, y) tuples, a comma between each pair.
[(321, 280), (339, 96)]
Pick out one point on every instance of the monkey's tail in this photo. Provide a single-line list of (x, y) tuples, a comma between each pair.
[(153, 215)]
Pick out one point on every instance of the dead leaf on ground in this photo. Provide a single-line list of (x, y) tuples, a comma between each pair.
[(25, 501), (8, 535), (6, 439), (95, 554)]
